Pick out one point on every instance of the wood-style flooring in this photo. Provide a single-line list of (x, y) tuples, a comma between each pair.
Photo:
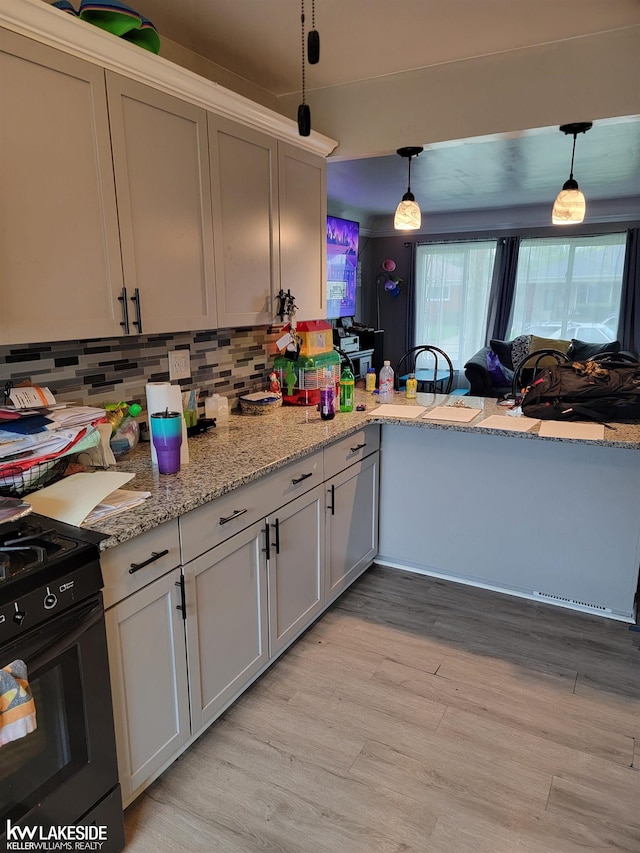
[(419, 715)]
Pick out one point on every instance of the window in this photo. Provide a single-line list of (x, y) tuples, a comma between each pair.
[(569, 287), (453, 281)]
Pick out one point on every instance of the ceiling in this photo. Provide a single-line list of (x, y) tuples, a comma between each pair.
[(496, 172), (260, 40), (360, 39)]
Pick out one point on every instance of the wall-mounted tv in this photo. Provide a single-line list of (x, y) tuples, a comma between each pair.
[(342, 264)]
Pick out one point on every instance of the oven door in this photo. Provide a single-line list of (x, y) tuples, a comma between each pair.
[(61, 771)]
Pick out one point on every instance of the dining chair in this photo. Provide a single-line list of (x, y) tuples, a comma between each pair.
[(534, 362), (436, 375)]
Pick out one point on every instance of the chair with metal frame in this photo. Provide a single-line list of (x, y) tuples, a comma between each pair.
[(437, 377), (533, 364)]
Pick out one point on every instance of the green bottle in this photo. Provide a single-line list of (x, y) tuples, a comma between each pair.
[(347, 388)]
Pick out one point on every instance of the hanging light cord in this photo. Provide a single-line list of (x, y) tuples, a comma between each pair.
[(573, 154), (409, 182), (302, 28)]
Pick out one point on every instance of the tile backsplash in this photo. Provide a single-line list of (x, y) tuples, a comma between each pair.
[(224, 361)]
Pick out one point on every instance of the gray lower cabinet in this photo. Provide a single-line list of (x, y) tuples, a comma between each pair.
[(148, 664), (243, 609), (352, 524), (296, 567), (248, 593), (226, 625)]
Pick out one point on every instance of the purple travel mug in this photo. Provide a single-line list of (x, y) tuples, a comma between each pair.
[(166, 434)]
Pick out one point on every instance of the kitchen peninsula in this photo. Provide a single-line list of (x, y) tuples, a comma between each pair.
[(251, 447), (231, 559)]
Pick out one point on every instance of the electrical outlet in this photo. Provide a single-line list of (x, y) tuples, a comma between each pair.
[(179, 364)]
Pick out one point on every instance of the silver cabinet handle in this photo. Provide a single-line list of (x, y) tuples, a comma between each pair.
[(235, 514), (301, 478)]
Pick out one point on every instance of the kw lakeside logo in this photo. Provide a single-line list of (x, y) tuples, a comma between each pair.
[(50, 838)]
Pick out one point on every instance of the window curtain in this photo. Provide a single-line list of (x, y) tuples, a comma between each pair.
[(629, 325), (503, 286)]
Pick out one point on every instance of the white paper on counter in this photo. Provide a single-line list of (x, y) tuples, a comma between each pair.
[(459, 414), (72, 498), (572, 429), (388, 410), (160, 397), (507, 422)]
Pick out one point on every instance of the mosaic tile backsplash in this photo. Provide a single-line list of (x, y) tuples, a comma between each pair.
[(224, 361)]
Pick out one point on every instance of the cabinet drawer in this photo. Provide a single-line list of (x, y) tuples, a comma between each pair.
[(133, 564), (213, 523), (351, 449)]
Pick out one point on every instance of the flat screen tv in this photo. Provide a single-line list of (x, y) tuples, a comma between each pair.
[(342, 263)]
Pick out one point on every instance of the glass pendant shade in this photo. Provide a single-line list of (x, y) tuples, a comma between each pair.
[(569, 207), (408, 216)]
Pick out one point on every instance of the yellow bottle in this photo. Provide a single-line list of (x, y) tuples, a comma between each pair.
[(370, 380), (411, 389)]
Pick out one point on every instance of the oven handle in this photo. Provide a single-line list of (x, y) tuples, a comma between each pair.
[(79, 621)]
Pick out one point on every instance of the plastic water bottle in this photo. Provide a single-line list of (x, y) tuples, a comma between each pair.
[(385, 384), (347, 385)]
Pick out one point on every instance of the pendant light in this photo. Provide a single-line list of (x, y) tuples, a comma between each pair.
[(569, 207), (408, 216)]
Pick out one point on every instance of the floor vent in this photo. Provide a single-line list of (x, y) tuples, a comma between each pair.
[(571, 601)]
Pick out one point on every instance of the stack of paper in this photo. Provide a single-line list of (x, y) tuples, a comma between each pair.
[(118, 501), (75, 416), (73, 498)]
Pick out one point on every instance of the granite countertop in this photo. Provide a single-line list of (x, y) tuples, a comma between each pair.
[(248, 447)]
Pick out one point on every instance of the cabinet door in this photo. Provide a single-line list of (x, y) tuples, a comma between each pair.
[(148, 665), (303, 228), (296, 562), (60, 262), (161, 164), (245, 221), (227, 639), (352, 524)]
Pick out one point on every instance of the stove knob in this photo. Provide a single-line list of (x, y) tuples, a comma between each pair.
[(50, 601), (19, 617)]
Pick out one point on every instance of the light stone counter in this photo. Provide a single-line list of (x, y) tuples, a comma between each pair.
[(227, 457)]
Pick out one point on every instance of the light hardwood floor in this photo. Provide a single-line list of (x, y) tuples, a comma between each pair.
[(419, 715)]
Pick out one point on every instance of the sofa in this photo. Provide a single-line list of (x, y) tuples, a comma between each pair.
[(490, 371)]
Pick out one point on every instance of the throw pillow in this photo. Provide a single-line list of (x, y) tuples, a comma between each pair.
[(500, 375), (503, 350), (583, 350), (520, 348), (546, 343)]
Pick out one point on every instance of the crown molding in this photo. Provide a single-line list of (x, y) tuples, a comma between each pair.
[(48, 25)]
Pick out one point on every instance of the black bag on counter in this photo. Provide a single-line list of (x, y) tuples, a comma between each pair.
[(578, 391)]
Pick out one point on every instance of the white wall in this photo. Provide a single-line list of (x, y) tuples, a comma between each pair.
[(582, 79)]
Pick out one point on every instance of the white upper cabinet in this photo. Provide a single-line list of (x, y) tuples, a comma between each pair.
[(244, 182), (60, 269), (302, 185), (161, 164)]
